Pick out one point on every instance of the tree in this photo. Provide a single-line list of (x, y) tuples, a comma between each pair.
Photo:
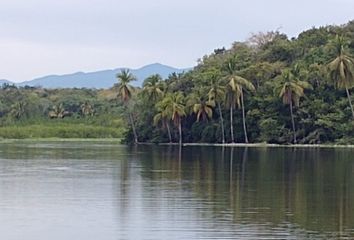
[(232, 99), (18, 109), (235, 96), (125, 91), (200, 105), (58, 111), (176, 109), (153, 87), (261, 39), (163, 116), (291, 91), (341, 69), (86, 109), (216, 94)]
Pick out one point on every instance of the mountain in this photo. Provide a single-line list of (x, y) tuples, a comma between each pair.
[(100, 79), (3, 81)]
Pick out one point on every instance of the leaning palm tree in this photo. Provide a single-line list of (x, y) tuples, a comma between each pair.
[(341, 69), (216, 94), (235, 93), (291, 91), (125, 91), (153, 87), (176, 108)]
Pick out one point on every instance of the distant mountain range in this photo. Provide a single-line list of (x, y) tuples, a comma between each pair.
[(100, 79)]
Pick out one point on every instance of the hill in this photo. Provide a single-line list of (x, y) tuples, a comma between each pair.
[(100, 79)]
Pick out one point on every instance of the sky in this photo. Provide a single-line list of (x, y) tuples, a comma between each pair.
[(43, 37)]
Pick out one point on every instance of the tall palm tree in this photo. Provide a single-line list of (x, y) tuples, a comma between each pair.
[(232, 99), (216, 94), (291, 91), (125, 91), (235, 94), (163, 116), (200, 105), (176, 108), (153, 87), (341, 69)]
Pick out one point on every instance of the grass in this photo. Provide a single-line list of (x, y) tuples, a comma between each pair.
[(60, 130)]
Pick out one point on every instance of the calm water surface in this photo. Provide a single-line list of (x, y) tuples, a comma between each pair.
[(91, 191)]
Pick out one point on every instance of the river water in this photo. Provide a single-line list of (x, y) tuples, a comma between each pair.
[(103, 191)]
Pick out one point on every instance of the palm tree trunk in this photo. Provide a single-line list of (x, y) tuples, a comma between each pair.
[(180, 133), (292, 119), (133, 127), (244, 118), (169, 132), (221, 123), (231, 125), (350, 101)]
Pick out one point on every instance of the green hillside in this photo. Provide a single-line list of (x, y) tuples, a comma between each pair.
[(267, 89)]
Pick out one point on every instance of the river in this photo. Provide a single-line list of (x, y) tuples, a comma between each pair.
[(93, 190)]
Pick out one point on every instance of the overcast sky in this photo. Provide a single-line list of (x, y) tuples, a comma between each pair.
[(41, 37)]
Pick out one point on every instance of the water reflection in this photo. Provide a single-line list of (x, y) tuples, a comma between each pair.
[(293, 191), (105, 191)]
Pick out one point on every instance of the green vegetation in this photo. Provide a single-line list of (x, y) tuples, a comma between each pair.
[(59, 130), (59, 113), (125, 92), (268, 89)]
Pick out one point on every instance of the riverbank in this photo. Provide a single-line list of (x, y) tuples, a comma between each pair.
[(119, 141), (270, 145)]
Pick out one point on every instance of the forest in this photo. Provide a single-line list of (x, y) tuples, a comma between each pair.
[(267, 89)]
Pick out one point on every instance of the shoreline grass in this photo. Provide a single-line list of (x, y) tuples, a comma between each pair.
[(63, 130), (57, 139)]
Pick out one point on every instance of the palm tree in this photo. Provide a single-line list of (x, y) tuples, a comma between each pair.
[(153, 87), (216, 94), (235, 87), (125, 91), (58, 111), (200, 105), (341, 69), (232, 99), (18, 109), (87, 109), (291, 91), (163, 116), (176, 109)]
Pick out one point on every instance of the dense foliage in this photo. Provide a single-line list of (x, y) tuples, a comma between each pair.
[(28, 112), (268, 89)]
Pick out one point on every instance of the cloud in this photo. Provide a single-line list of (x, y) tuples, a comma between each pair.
[(47, 36)]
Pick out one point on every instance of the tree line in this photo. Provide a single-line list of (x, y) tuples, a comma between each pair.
[(267, 89)]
